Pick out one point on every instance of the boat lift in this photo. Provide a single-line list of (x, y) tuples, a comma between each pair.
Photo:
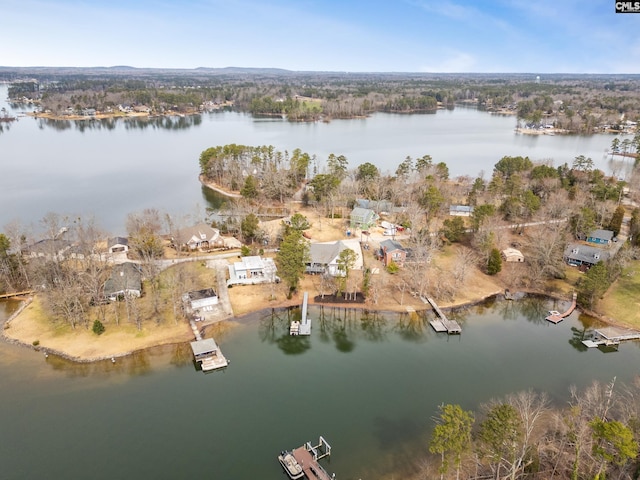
[(323, 449)]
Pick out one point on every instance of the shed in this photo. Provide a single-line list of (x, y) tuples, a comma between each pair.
[(512, 255)]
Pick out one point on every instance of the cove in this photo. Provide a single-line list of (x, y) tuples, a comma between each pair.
[(369, 382)]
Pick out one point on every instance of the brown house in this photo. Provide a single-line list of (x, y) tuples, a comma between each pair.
[(392, 251)]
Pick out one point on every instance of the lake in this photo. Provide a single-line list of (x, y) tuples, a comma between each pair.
[(110, 168), (370, 383)]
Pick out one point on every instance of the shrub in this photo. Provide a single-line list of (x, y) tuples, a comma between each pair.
[(35, 343), (98, 327)]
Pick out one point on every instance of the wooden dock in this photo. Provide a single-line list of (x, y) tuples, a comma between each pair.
[(557, 317), (308, 456), (206, 351), (15, 294), (441, 323), (303, 327)]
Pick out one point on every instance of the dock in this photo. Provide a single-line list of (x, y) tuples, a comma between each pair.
[(15, 294), (207, 352), (611, 337), (308, 456), (441, 323), (303, 327), (556, 317)]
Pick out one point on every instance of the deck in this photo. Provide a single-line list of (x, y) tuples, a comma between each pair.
[(303, 327), (611, 337), (16, 294), (311, 468), (557, 317), (207, 352), (441, 323)]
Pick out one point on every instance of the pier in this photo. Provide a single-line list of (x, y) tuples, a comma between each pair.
[(441, 323), (557, 317), (303, 327), (15, 294), (308, 456)]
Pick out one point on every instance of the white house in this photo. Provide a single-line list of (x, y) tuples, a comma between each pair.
[(251, 270), (200, 302), (324, 256)]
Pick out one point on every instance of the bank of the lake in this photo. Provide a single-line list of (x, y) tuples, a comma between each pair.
[(369, 382)]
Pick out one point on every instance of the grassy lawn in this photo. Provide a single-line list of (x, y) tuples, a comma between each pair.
[(622, 301)]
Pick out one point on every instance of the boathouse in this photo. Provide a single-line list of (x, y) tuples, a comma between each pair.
[(207, 353)]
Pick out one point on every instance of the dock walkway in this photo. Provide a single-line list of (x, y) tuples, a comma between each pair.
[(611, 336), (303, 327), (557, 317), (308, 456), (441, 323), (16, 294)]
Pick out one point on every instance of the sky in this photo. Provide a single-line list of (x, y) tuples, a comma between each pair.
[(492, 36)]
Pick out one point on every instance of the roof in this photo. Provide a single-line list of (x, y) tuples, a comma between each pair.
[(117, 241), (200, 233), (512, 252), (391, 245), (376, 205), (202, 347), (253, 262), (461, 209), (201, 294), (363, 213), (125, 276), (602, 234), (49, 246), (585, 253), (325, 253)]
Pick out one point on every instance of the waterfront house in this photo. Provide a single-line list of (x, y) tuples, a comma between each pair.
[(200, 302), (323, 257), (201, 236), (252, 270), (600, 237), (125, 280), (363, 218), (50, 249), (460, 210), (586, 256), (392, 251), (512, 255)]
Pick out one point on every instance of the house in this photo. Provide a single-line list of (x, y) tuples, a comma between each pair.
[(51, 249), (584, 255), (460, 210), (252, 270), (512, 255), (363, 218), (375, 205), (392, 251), (118, 244), (198, 237), (200, 302), (324, 256), (600, 237), (125, 280)]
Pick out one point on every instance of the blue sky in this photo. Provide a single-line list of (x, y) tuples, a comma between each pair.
[(543, 36)]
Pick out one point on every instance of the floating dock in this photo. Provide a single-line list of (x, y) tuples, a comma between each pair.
[(308, 456), (557, 317), (303, 327), (441, 323)]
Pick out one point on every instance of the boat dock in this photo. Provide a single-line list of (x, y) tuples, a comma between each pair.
[(308, 456), (303, 327), (16, 294), (441, 323), (206, 351), (611, 336), (556, 317)]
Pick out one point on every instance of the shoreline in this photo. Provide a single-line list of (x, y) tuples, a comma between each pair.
[(216, 188), (281, 306)]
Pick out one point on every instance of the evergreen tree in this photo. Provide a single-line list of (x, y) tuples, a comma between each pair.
[(494, 264), (292, 259)]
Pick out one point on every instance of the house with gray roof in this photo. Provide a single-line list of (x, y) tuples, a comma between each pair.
[(125, 280), (118, 244), (392, 251), (580, 255), (363, 218), (199, 236), (600, 237), (324, 257)]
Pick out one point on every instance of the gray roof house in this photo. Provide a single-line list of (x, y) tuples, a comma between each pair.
[(460, 210), (363, 218), (199, 236), (51, 249), (125, 279), (584, 255), (118, 244), (600, 237), (324, 257)]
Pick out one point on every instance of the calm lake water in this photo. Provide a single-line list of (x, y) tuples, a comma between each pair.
[(369, 383), (108, 169)]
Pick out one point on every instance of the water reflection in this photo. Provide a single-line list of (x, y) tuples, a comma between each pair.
[(129, 123)]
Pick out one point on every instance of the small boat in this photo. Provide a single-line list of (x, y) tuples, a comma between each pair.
[(554, 313), (290, 465)]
